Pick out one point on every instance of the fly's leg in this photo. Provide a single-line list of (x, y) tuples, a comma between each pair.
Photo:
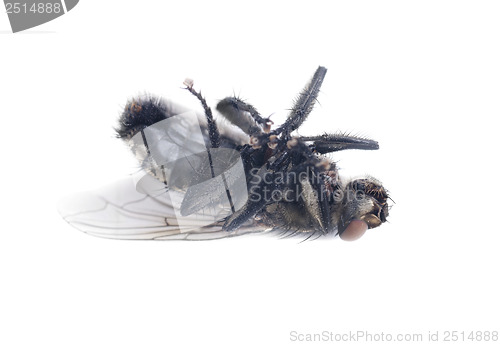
[(337, 142), (244, 116), (313, 175), (260, 196), (272, 188), (304, 103), (213, 131), (300, 110), (312, 196)]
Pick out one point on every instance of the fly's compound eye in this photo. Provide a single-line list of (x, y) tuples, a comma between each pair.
[(354, 230)]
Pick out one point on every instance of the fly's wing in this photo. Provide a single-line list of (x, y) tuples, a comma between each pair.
[(140, 208), (203, 182), (205, 186), (176, 151)]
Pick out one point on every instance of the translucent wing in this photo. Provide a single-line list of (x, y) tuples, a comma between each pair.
[(205, 185), (140, 208)]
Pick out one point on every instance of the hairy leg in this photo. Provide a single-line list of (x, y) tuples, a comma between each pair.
[(337, 142)]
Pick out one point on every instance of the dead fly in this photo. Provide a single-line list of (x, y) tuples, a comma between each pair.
[(206, 179)]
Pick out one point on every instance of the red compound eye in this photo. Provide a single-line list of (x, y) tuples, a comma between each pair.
[(354, 230)]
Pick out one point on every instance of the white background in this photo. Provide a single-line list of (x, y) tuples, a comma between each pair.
[(422, 78)]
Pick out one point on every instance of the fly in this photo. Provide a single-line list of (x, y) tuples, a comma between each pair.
[(205, 179)]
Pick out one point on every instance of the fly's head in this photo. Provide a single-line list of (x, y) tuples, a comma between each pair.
[(364, 206)]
